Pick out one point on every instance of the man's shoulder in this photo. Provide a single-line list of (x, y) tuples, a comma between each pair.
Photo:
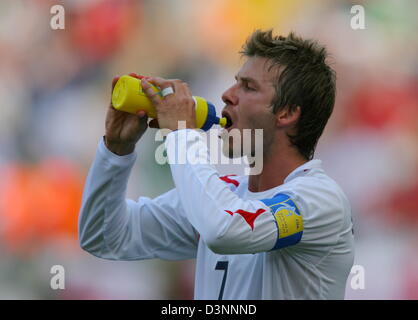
[(315, 182), (319, 195)]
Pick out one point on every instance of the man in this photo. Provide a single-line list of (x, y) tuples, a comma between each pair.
[(285, 233)]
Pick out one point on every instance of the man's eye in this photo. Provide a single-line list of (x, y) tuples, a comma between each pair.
[(247, 87)]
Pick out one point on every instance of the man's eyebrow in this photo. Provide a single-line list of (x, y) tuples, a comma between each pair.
[(246, 79)]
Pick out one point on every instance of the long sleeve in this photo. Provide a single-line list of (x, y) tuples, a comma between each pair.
[(115, 228), (226, 223)]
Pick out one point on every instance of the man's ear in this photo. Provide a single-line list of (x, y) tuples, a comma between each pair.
[(288, 116)]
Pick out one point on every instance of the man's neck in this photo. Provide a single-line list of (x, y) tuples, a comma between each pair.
[(277, 165)]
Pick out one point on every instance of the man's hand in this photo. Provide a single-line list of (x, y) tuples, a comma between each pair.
[(172, 108), (123, 130)]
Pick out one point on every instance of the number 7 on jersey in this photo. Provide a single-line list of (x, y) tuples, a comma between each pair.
[(222, 265)]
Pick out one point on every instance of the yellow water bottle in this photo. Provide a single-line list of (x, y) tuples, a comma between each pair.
[(128, 96)]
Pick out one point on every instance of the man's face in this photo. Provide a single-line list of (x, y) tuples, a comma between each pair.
[(248, 105)]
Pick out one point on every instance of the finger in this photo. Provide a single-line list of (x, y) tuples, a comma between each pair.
[(132, 74), (154, 124), (141, 113), (143, 119), (182, 90), (115, 79), (187, 89), (150, 93), (160, 82), (181, 87)]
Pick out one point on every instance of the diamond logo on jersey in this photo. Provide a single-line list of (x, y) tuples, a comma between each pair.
[(227, 179), (248, 216), (288, 218)]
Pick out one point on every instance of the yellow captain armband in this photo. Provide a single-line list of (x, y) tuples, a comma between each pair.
[(288, 219)]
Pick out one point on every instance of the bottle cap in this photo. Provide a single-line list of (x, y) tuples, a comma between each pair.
[(222, 122)]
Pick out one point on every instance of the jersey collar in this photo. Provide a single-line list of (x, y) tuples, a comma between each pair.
[(304, 169), (299, 171)]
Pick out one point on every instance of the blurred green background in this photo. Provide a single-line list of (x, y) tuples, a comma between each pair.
[(55, 88)]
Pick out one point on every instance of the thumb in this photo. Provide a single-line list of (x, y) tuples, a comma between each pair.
[(114, 80), (143, 117)]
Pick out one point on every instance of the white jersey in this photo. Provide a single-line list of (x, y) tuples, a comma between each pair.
[(294, 241)]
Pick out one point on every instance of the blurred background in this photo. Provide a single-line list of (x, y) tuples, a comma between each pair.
[(55, 88)]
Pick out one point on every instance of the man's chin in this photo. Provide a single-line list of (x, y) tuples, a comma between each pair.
[(228, 147)]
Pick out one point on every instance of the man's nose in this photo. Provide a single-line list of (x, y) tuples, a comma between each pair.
[(229, 97)]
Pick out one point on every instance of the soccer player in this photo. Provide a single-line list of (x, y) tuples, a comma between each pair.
[(285, 233)]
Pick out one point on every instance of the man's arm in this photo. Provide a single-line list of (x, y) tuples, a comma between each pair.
[(112, 227)]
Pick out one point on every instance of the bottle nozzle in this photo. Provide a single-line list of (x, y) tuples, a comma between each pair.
[(222, 122)]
